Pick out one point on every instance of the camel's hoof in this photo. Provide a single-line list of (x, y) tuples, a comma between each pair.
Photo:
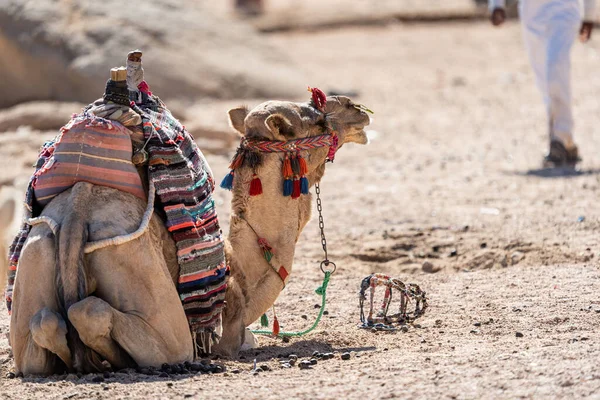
[(250, 341)]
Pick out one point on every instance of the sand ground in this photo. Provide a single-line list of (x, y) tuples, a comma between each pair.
[(452, 177)]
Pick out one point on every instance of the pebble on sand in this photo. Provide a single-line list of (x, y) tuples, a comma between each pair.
[(429, 268)]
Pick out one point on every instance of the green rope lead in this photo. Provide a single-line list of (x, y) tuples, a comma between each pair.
[(322, 291)]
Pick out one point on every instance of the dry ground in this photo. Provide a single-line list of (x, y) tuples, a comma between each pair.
[(452, 177)]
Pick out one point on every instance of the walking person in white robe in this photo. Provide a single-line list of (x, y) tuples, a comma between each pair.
[(549, 30)]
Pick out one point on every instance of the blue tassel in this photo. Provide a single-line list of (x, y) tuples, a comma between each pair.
[(304, 185), (227, 182), (288, 187)]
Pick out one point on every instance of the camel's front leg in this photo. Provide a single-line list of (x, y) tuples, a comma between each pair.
[(107, 331)]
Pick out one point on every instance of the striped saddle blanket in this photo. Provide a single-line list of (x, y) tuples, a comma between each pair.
[(88, 149)]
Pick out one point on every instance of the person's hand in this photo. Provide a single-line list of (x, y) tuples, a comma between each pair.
[(498, 16), (585, 33)]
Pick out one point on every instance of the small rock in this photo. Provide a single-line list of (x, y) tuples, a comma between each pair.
[(304, 316), (292, 361), (235, 371), (313, 361), (10, 375), (518, 334), (483, 245), (286, 365), (325, 312), (474, 331), (404, 328), (293, 357), (453, 253), (98, 379), (265, 367), (477, 324), (169, 384), (516, 257), (328, 356), (217, 369), (286, 339), (418, 326), (305, 364), (317, 306), (429, 268), (316, 354), (345, 356)]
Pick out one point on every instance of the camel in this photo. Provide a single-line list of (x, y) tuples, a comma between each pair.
[(119, 304)]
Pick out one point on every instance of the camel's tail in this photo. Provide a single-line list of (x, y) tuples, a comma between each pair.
[(72, 281)]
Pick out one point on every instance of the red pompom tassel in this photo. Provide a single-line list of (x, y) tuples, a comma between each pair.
[(275, 324), (255, 186), (297, 189), (319, 98), (333, 147)]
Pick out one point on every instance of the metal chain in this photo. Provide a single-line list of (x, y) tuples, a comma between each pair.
[(326, 261)]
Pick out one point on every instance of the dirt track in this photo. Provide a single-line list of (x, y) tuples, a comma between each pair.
[(452, 177)]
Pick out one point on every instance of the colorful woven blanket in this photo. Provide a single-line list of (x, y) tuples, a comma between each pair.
[(184, 186), (88, 149)]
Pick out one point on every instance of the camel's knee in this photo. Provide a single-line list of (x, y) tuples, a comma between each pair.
[(92, 318), (49, 331)]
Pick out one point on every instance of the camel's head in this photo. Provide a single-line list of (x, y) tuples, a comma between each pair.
[(285, 121)]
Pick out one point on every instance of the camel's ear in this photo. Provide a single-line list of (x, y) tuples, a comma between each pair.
[(236, 119), (279, 125)]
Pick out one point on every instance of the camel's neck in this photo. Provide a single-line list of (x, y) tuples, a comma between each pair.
[(277, 219)]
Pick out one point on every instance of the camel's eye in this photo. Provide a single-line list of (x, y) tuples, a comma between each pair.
[(363, 108)]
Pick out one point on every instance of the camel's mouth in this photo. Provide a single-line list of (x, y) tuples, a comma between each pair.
[(356, 134)]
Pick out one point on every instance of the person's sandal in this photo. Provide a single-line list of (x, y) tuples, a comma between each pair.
[(558, 155)]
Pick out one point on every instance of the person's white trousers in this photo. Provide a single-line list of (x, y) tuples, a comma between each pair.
[(549, 29)]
